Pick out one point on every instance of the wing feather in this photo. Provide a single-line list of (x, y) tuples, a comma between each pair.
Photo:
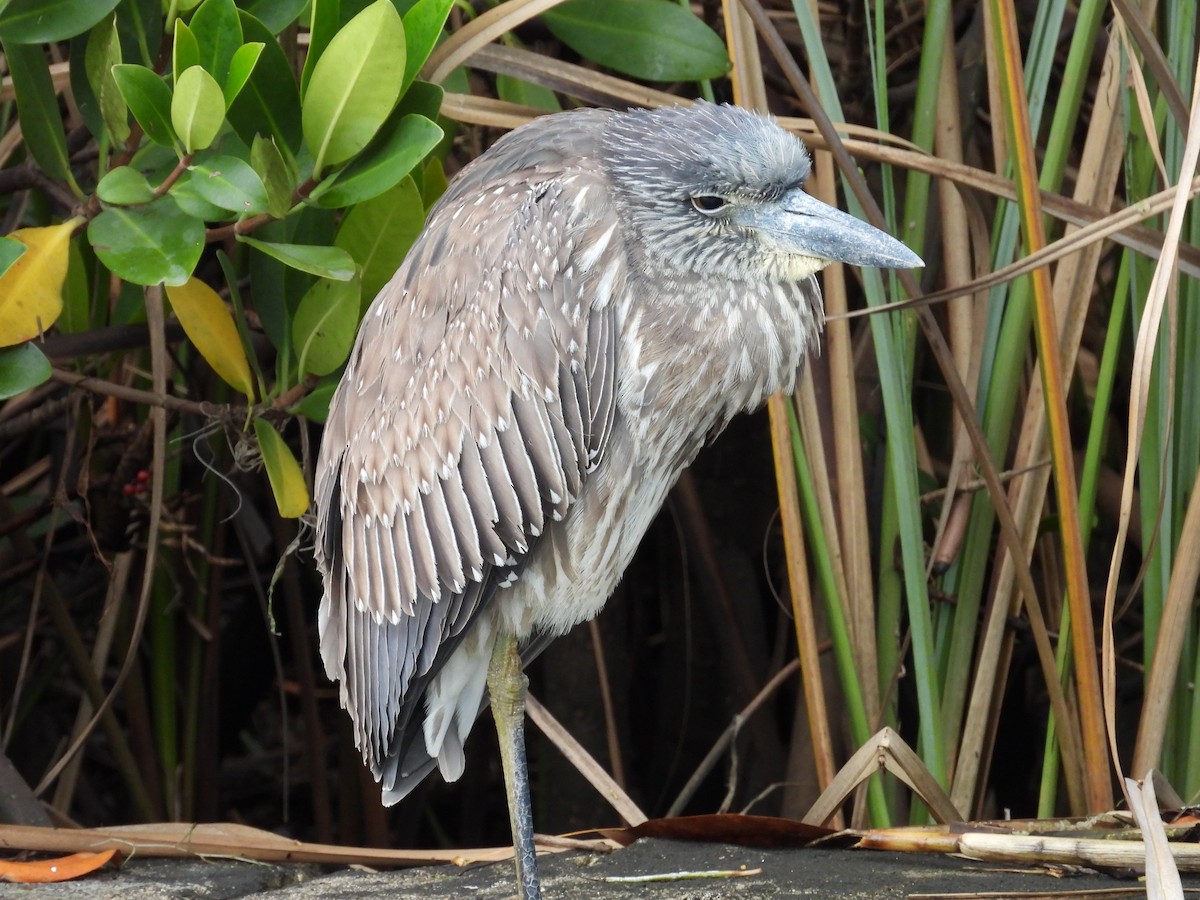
[(446, 553), (544, 454), (424, 564), (482, 504), (599, 385), (463, 527), (478, 396), (508, 524), (513, 445), (567, 435)]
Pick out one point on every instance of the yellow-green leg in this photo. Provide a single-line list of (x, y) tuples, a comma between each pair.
[(507, 685)]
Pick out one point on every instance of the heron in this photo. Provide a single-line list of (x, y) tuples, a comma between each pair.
[(590, 302)]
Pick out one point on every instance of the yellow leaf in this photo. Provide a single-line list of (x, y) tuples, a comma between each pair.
[(31, 288), (208, 324), (287, 481)]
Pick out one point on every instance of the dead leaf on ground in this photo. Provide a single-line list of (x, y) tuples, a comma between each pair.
[(61, 868)]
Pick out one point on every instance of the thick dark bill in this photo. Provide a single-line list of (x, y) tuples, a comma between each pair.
[(806, 225)]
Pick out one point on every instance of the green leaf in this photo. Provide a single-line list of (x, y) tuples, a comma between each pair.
[(22, 368), (423, 98), (240, 69), (140, 25), (219, 34), (275, 14), (526, 93), (433, 182), (185, 52), (399, 147), (269, 164), (423, 25), (277, 288), (37, 109), (652, 39), (269, 104), (149, 100), (229, 183), (148, 244), (354, 86), (49, 21), (10, 251), (325, 262), (192, 202), (323, 23), (315, 406), (102, 53), (325, 323), (124, 186), (379, 232), (77, 299), (287, 481), (274, 303), (197, 108)]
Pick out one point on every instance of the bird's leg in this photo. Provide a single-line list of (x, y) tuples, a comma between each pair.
[(507, 685)]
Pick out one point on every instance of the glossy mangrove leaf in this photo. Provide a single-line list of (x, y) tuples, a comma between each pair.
[(269, 103), (423, 24), (379, 232), (269, 164), (218, 33), (657, 40), (275, 14), (526, 93), (185, 52), (150, 244), (140, 26), (287, 481), (422, 98), (197, 109), (398, 148), (49, 21), (31, 286), (149, 99), (192, 202), (354, 86), (240, 68), (324, 325), (77, 296), (124, 186), (230, 183), (210, 327), (102, 53), (433, 182), (37, 109), (325, 262), (315, 405), (324, 20), (24, 367), (10, 251)]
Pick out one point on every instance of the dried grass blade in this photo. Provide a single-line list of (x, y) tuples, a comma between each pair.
[(1165, 275), (1162, 875)]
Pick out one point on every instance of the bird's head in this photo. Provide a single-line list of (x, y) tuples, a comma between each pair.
[(718, 191)]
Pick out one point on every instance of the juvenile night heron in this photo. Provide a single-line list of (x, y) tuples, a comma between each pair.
[(592, 300)]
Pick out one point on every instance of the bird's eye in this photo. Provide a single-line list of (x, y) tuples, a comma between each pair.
[(709, 203)]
